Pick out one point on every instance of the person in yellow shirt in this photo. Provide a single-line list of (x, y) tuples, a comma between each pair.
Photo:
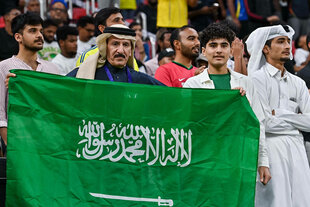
[(173, 13), (105, 18)]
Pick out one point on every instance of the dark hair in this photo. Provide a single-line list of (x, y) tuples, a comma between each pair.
[(175, 35), (132, 24), (49, 22), (215, 31), (104, 14), (29, 18), (308, 40), (63, 32), (83, 21)]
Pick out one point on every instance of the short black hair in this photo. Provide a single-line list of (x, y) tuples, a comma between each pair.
[(20, 21), (104, 14), (83, 21), (63, 32), (216, 31), (132, 24), (49, 22), (175, 35)]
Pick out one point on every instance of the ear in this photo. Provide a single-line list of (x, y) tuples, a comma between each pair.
[(101, 28), (177, 44), (18, 37), (203, 50), (266, 49)]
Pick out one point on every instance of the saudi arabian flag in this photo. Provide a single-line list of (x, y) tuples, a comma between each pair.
[(75, 142)]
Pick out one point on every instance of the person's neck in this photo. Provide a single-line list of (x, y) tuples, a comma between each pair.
[(8, 29), (114, 67), (67, 55), (278, 65), (28, 57), (217, 70), (183, 60)]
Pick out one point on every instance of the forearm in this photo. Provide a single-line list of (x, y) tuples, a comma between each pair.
[(300, 121), (3, 134)]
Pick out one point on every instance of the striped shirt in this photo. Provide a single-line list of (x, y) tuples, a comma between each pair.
[(16, 63)]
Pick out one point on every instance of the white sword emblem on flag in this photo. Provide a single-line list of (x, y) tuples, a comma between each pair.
[(161, 202)]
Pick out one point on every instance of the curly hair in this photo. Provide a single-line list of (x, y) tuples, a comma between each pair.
[(215, 31)]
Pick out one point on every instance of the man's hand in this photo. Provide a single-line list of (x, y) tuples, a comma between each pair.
[(199, 70), (8, 78), (242, 91), (264, 174)]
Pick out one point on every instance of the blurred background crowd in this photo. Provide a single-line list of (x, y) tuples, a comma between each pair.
[(153, 21)]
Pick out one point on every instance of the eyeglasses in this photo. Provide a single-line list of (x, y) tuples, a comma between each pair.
[(58, 9)]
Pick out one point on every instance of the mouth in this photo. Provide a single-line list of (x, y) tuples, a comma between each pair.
[(218, 57), (196, 49), (286, 53)]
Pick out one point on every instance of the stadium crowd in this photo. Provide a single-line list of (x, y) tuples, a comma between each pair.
[(259, 47)]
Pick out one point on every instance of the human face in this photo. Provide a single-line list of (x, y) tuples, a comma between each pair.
[(11, 15), (31, 37), (189, 43), (165, 43), (115, 19), (217, 51), (49, 33), (166, 60), (58, 12), (69, 46), (138, 30), (118, 51), (33, 6), (279, 50), (87, 32)]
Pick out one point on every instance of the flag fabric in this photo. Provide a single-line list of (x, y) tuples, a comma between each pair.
[(76, 142)]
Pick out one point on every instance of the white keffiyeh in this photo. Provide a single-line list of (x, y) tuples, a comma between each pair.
[(257, 40)]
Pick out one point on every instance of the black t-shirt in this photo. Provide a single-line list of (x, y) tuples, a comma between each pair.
[(8, 46)]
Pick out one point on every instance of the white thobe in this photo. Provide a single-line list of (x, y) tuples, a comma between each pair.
[(288, 96), (238, 80)]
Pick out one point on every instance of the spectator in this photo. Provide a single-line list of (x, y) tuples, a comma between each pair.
[(186, 45), (86, 28), (166, 56), (50, 47), (286, 104), (67, 40), (201, 60), (239, 16), (299, 17), (261, 13), (301, 55), (216, 42), (33, 6), (163, 42), (142, 48), (150, 10), (58, 12), (8, 46), (114, 60), (305, 75), (26, 29), (105, 18), (204, 13)]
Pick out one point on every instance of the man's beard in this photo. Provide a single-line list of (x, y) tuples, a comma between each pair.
[(47, 40), (187, 52), (33, 48), (72, 54), (284, 60)]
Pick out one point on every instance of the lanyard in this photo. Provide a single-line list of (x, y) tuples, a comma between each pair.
[(129, 78)]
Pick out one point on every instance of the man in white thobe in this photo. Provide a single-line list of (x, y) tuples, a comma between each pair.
[(286, 104)]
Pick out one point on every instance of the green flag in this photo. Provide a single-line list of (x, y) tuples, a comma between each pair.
[(75, 142)]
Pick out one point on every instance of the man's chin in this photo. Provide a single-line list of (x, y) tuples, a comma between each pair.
[(285, 59)]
